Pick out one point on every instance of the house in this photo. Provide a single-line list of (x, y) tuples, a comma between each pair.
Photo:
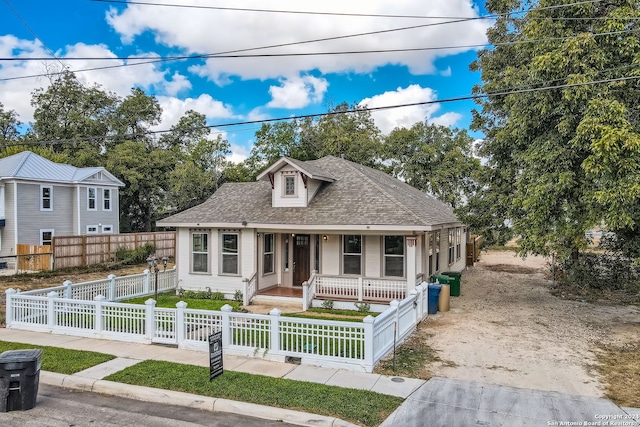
[(40, 199), (328, 218)]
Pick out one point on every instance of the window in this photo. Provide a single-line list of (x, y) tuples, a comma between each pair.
[(316, 261), (92, 229), (46, 237), (451, 246), (289, 185), (91, 199), (437, 248), (394, 256), (286, 254), (458, 243), (267, 257), (106, 199), (200, 253), (352, 254), (229, 253), (46, 198), (107, 229)]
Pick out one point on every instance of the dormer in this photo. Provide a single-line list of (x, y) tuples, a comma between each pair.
[(293, 182)]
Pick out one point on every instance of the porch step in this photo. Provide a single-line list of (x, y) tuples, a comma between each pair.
[(270, 299)]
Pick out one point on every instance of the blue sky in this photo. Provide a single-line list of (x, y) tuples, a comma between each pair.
[(233, 90)]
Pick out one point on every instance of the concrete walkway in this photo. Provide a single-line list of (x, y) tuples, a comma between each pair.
[(128, 354)]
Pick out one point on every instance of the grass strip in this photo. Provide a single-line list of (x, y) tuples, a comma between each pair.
[(357, 406), (170, 299), (620, 367), (61, 360)]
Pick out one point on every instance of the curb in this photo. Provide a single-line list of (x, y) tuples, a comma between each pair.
[(187, 400)]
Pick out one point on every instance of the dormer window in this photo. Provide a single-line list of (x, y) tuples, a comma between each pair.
[(289, 185)]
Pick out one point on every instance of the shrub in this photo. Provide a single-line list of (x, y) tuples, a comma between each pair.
[(238, 297), (328, 304), (135, 256), (363, 307)]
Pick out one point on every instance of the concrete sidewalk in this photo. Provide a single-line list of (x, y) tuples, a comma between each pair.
[(128, 354)]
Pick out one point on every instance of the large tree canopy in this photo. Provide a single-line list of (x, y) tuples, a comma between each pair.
[(561, 159)]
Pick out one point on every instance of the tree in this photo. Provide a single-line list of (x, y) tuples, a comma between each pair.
[(9, 125), (69, 110), (434, 159), (564, 159), (135, 115)]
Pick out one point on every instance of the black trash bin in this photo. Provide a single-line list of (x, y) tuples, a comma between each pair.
[(19, 379)]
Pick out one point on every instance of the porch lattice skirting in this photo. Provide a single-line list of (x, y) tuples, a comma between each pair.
[(91, 310)]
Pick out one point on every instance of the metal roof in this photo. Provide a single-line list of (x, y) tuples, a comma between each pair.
[(30, 166)]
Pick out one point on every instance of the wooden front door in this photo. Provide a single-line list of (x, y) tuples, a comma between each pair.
[(301, 258)]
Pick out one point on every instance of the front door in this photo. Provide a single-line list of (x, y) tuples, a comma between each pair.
[(301, 257)]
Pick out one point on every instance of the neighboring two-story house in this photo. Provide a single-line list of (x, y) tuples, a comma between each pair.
[(40, 199), (328, 218)]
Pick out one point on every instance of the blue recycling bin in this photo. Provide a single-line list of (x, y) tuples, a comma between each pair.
[(433, 297)]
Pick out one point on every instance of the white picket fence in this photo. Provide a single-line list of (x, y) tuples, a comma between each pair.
[(352, 345)]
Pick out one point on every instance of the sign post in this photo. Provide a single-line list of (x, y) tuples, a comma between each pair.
[(215, 355)]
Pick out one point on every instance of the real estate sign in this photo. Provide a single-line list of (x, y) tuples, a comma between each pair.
[(215, 355)]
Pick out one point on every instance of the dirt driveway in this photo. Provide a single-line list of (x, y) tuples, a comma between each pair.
[(506, 328)]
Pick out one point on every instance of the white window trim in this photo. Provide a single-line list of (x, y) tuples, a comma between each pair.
[(272, 252), (42, 208), (46, 230), (222, 253), (106, 229), (451, 246), (191, 252), (284, 185), (403, 256), (104, 199), (95, 208), (343, 253), (95, 227)]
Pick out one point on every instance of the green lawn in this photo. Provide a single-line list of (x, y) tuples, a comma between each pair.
[(170, 299), (61, 360), (357, 406)]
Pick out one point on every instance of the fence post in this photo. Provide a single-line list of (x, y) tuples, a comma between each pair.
[(305, 296), (9, 314), (149, 318), (147, 281), (245, 292), (274, 338), (395, 306), (359, 288), (51, 319), (68, 292), (369, 350), (226, 325), (97, 323), (414, 293), (112, 287), (180, 324)]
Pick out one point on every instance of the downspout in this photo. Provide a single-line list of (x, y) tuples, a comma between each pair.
[(15, 217)]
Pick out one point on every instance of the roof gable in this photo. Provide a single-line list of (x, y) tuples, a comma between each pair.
[(30, 166), (306, 168)]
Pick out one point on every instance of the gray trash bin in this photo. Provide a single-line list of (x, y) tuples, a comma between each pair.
[(19, 379)]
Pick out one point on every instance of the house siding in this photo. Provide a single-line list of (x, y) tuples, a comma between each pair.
[(32, 219), (7, 234), (372, 256), (99, 216), (278, 198), (313, 186), (331, 254), (419, 255)]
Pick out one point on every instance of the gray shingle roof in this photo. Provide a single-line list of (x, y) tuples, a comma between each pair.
[(30, 166), (358, 196)]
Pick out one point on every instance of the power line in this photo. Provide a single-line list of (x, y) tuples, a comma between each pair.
[(333, 113), (276, 55)]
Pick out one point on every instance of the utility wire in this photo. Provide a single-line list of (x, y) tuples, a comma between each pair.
[(275, 55), (333, 113)]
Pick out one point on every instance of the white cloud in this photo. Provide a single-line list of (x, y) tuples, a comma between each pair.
[(177, 84), (298, 92), (212, 31), (238, 154), (173, 109), (387, 120)]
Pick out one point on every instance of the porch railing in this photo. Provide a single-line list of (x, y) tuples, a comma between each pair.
[(250, 289), (359, 288)]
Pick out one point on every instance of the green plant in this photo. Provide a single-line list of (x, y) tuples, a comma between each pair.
[(363, 307), (238, 297), (135, 256), (328, 304), (217, 296)]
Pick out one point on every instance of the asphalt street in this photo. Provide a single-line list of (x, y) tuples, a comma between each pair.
[(58, 407)]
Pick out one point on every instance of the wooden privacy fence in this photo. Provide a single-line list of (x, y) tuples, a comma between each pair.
[(33, 257), (75, 251), (473, 249)]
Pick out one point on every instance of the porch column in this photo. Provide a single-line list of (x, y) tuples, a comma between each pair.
[(411, 263)]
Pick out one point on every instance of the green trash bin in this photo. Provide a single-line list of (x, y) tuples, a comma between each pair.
[(440, 278), (454, 281)]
